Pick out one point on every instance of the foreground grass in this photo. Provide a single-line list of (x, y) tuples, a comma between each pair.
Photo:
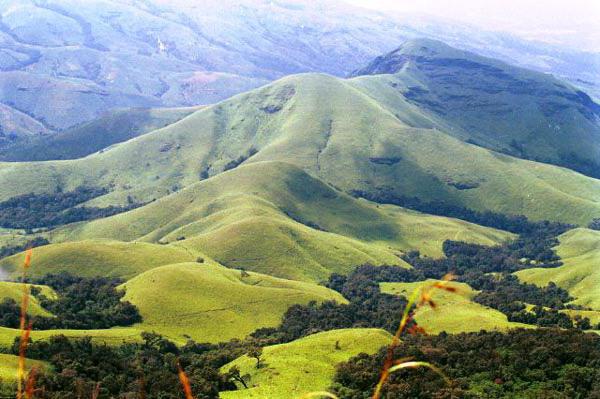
[(210, 303), (304, 365), (455, 312), (580, 274)]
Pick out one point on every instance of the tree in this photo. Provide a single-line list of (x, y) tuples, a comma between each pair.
[(235, 375), (256, 353)]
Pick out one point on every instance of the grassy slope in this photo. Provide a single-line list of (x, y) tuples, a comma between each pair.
[(77, 142), (331, 128), (305, 365), (15, 291), (9, 365), (210, 303), (489, 102), (580, 275), (456, 312), (113, 336), (258, 216), (97, 258)]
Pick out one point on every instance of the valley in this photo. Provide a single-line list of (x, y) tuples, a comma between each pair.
[(268, 241)]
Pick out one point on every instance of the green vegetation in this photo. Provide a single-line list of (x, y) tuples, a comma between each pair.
[(77, 142), (8, 367), (333, 129), (14, 291), (210, 303), (580, 275), (489, 103), (455, 312), (92, 258), (304, 365), (273, 218), (113, 336)]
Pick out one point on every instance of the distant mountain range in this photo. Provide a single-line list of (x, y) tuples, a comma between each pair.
[(63, 63)]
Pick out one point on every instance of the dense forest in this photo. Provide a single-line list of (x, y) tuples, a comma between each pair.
[(542, 363), (30, 211), (81, 303)]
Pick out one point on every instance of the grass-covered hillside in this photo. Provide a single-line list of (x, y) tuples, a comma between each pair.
[(91, 258), (580, 274), (335, 130), (269, 217), (82, 140), (455, 312), (305, 365), (484, 101), (210, 303)]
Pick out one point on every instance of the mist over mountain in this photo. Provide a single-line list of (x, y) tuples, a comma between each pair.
[(63, 62)]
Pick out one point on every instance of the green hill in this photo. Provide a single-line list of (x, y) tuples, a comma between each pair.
[(97, 258), (15, 291), (210, 303), (337, 131), (113, 336), (9, 365), (580, 275), (77, 142), (274, 218), (493, 104), (455, 312), (305, 365)]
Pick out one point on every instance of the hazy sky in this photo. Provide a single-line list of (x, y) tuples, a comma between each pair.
[(571, 22)]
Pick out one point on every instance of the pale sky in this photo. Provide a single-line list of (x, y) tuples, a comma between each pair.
[(575, 23)]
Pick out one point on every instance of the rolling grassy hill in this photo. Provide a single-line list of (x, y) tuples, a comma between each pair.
[(305, 365), (210, 303), (580, 275), (455, 311), (335, 130), (113, 336), (77, 142), (9, 364), (273, 218), (508, 109), (92, 258), (15, 291)]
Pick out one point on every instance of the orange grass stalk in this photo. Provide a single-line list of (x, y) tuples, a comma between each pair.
[(24, 326), (30, 385), (96, 392), (419, 297), (185, 382)]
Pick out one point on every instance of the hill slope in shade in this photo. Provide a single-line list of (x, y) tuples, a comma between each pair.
[(508, 109), (92, 258), (580, 274), (211, 303), (273, 218), (305, 365), (333, 129), (77, 142), (455, 312)]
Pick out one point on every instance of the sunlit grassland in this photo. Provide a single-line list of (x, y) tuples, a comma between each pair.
[(15, 291), (454, 312), (9, 364), (579, 250), (305, 365), (210, 303)]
